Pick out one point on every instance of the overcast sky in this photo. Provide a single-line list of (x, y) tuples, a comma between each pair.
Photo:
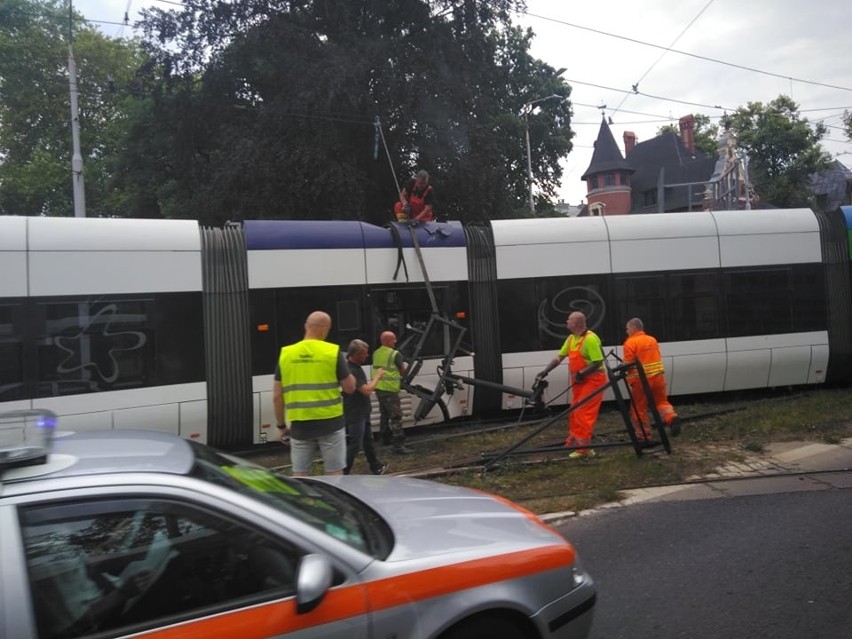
[(740, 51)]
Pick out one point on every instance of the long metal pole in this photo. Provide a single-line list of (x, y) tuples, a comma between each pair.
[(77, 156), (527, 110), (529, 164)]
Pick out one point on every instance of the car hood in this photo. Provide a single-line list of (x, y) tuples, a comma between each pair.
[(430, 519)]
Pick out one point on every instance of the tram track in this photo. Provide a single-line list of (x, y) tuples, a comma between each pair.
[(610, 435)]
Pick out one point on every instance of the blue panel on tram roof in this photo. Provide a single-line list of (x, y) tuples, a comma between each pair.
[(321, 234), (302, 234)]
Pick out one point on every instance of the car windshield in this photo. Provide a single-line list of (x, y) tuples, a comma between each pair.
[(324, 507)]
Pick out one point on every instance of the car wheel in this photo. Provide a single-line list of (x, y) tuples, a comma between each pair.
[(486, 627)]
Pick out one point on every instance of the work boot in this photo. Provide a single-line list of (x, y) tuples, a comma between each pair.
[(399, 446), (582, 454), (674, 426)]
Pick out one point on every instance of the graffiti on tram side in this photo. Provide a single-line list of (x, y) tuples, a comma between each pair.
[(554, 310)]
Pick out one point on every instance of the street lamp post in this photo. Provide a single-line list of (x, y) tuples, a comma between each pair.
[(528, 107)]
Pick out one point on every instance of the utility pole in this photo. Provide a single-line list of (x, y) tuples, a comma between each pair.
[(527, 109), (77, 156), (529, 164)]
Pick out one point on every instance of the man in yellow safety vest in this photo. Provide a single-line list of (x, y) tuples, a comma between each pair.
[(307, 398), (387, 392)]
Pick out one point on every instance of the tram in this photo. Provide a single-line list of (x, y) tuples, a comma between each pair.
[(129, 323)]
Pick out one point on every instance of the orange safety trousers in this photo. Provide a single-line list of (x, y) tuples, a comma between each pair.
[(641, 421), (581, 421)]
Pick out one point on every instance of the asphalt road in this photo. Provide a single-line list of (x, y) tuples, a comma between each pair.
[(775, 565)]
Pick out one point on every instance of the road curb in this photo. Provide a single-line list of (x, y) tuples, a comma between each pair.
[(783, 458)]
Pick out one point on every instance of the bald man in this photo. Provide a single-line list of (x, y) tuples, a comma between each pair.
[(585, 366), (307, 398), (387, 391)]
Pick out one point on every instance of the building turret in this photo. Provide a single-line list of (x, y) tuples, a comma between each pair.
[(608, 176)]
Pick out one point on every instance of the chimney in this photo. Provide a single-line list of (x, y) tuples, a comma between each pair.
[(687, 132), (629, 142)]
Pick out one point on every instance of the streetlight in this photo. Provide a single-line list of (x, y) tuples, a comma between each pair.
[(527, 108)]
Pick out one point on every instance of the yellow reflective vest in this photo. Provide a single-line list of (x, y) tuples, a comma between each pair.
[(385, 357), (309, 380)]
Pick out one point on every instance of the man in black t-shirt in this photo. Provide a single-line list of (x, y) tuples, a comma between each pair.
[(356, 410)]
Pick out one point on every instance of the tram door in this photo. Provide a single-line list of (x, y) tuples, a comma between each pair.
[(406, 311)]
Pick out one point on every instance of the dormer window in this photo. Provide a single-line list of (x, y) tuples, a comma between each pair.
[(609, 179)]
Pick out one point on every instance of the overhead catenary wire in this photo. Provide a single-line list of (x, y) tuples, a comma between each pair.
[(662, 55), (626, 92), (686, 53)]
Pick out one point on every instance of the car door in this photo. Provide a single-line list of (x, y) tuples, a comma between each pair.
[(169, 568)]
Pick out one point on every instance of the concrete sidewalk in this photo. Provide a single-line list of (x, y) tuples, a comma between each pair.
[(783, 467)]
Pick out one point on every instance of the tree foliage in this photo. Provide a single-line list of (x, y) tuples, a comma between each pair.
[(705, 135), (783, 149), (319, 109), (847, 124), (35, 127)]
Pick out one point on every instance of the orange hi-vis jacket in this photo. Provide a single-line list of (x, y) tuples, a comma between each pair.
[(416, 204), (644, 348)]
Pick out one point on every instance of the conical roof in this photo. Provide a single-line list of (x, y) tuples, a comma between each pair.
[(607, 155)]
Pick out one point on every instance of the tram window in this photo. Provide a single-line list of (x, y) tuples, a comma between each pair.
[(693, 299), (348, 315), (415, 329), (91, 346), (407, 311), (807, 288), (293, 305), (391, 300), (645, 298), (758, 303), (264, 341), (86, 346), (519, 321), (11, 357), (177, 324), (557, 297)]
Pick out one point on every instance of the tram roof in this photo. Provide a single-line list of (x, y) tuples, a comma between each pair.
[(324, 234)]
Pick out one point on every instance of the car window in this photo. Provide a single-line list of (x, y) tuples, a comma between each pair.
[(325, 507), (131, 564)]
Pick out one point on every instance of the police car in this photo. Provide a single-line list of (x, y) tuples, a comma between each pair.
[(145, 534)]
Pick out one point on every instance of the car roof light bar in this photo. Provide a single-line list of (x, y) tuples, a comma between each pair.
[(25, 437)]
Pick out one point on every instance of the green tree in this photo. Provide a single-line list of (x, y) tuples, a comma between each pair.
[(847, 124), (35, 128), (706, 135), (783, 149), (269, 110)]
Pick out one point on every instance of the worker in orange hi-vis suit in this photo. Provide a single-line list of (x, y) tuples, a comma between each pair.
[(641, 347), (585, 364)]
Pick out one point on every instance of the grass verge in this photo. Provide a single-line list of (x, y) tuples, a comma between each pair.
[(713, 434)]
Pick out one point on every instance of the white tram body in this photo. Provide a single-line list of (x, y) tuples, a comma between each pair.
[(714, 241), (124, 323)]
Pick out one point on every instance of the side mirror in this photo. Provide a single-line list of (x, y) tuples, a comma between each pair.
[(312, 582)]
